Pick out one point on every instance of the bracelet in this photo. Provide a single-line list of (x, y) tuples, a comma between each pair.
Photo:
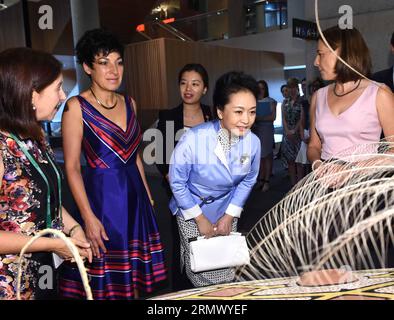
[(314, 163), (152, 202), (72, 229)]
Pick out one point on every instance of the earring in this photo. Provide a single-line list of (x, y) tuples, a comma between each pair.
[(34, 107)]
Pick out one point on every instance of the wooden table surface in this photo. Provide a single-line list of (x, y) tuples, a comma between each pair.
[(371, 285)]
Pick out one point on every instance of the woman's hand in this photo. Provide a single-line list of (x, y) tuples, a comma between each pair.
[(95, 233), (205, 227), (60, 248), (224, 225), (79, 234)]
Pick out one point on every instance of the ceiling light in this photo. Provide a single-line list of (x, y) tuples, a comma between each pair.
[(2, 5)]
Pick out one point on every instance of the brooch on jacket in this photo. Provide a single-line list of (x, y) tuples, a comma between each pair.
[(245, 159)]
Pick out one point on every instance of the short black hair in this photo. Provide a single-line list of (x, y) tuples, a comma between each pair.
[(392, 39), (197, 67), (282, 87), (231, 83), (95, 42)]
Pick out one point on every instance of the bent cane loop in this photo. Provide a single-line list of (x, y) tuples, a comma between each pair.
[(72, 248)]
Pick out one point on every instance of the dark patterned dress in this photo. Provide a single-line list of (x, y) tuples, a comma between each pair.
[(118, 198), (23, 198), (292, 115)]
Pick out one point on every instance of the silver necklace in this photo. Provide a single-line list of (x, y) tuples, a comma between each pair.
[(102, 104)]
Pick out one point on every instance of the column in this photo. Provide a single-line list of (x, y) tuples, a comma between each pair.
[(236, 21), (85, 16)]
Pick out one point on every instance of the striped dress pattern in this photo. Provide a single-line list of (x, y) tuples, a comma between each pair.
[(117, 196)]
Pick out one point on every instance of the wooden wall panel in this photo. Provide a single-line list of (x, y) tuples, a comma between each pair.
[(144, 74), (123, 16), (218, 60), (152, 70), (12, 33)]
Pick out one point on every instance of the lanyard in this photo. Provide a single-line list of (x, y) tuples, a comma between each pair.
[(35, 164)]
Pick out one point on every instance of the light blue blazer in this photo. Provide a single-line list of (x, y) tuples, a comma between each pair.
[(201, 171)]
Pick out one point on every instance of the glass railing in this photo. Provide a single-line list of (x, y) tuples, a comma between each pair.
[(203, 27), (210, 26)]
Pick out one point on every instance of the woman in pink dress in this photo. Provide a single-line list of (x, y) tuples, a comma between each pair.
[(352, 110)]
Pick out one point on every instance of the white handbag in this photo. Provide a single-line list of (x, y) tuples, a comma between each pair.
[(219, 252)]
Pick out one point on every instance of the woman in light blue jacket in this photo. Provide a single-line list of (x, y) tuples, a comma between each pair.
[(213, 169)]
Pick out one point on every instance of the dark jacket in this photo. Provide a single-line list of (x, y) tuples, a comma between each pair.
[(175, 115), (385, 76)]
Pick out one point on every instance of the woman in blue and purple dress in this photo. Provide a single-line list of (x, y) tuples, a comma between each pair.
[(113, 197)]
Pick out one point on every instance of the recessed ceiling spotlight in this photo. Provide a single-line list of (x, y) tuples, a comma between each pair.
[(2, 5)]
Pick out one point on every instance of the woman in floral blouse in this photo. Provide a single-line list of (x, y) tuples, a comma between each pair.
[(30, 192)]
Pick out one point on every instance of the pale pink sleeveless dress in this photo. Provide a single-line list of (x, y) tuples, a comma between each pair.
[(357, 125)]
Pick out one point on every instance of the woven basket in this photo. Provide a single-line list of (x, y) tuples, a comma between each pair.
[(73, 250)]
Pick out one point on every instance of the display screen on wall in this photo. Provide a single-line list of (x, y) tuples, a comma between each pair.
[(305, 29)]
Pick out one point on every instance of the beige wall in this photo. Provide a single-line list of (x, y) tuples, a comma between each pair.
[(152, 70), (275, 40)]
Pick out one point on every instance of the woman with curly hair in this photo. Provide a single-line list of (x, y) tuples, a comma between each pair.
[(113, 196)]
